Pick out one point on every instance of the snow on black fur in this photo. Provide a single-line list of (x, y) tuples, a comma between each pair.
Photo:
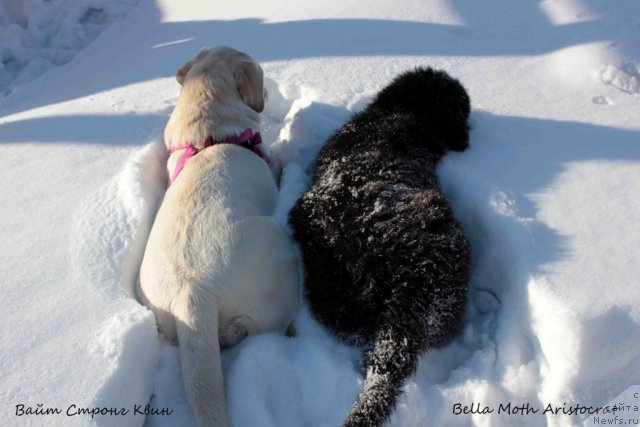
[(387, 264)]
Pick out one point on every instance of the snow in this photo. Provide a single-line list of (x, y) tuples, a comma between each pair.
[(37, 35), (545, 193)]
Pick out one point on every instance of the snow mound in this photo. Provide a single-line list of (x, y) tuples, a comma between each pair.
[(625, 78), (128, 346), (113, 224)]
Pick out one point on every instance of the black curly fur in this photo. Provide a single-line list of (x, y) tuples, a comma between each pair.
[(386, 263)]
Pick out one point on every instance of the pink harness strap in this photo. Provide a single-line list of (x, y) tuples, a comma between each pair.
[(246, 139)]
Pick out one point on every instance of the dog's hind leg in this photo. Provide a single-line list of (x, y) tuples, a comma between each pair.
[(197, 327), (392, 357), (416, 317)]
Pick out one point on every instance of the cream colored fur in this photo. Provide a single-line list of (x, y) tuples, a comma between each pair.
[(217, 266)]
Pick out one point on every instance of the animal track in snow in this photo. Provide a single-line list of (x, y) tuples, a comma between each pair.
[(625, 78), (40, 35), (601, 99)]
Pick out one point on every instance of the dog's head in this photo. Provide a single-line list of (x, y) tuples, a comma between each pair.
[(439, 103), (228, 70)]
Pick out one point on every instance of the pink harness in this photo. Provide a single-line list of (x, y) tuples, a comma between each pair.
[(246, 139)]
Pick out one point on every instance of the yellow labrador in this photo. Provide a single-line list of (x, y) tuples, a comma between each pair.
[(217, 266)]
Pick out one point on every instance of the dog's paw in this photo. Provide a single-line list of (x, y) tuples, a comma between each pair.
[(291, 331), (236, 330)]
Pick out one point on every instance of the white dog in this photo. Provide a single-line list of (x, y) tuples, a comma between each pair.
[(217, 266)]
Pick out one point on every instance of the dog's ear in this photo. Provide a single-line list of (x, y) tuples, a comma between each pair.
[(184, 70), (250, 84)]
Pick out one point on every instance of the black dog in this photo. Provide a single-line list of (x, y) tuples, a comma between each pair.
[(387, 265)]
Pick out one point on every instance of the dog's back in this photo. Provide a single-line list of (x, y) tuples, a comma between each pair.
[(386, 263)]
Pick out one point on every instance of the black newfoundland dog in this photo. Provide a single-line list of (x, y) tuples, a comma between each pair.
[(387, 264)]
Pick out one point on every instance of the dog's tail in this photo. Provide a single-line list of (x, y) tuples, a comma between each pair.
[(197, 328), (440, 102), (411, 325)]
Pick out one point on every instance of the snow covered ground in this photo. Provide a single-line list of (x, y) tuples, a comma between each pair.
[(37, 35), (548, 194)]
